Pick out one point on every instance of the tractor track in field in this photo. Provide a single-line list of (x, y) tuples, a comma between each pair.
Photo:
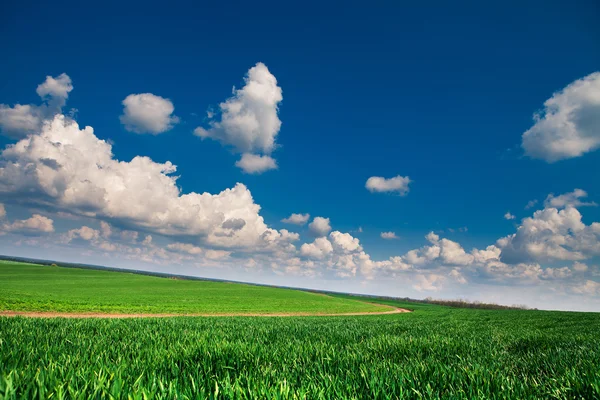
[(55, 314)]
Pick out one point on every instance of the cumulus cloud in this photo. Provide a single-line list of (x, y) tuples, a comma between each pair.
[(2, 211), (569, 125), (389, 235), (509, 216), (105, 229), (551, 234), (256, 164), (429, 282), (37, 224), (317, 249), (451, 253), (85, 233), (129, 236), (319, 226), (579, 266), (248, 120), (185, 248), (339, 253), (212, 254), (344, 242), (69, 168), (148, 113), (22, 120), (296, 219), (55, 90), (288, 236), (589, 287), (398, 184), (571, 199), (147, 240)]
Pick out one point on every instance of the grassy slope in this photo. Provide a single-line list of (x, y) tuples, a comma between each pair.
[(434, 352), (29, 287)]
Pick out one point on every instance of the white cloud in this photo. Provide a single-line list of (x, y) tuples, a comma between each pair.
[(429, 282), (551, 234), (579, 266), (129, 236), (343, 255), (35, 225), (509, 216), (185, 248), (319, 226), (458, 276), (148, 113), (340, 253), (289, 236), (317, 249), (2, 211), (397, 184), (71, 169), (556, 273), (22, 120), (589, 287), (107, 246), (570, 199), (296, 219), (452, 253), (444, 261), (249, 122), (491, 253), (147, 240), (105, 229), (389, 235), (569, 125), (85, 233), (344, 242), (212, 254), (255, 164), (55, 90), (432, 237)]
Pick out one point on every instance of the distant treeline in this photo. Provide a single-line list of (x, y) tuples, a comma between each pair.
[(462, 303), (459, 303)]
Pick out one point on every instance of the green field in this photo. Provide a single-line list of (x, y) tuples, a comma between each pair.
[(30, 287), (433, 352)]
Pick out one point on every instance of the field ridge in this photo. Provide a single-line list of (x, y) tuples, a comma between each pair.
[(54, 314)]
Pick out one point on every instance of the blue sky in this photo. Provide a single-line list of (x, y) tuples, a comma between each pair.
[(439, 93)]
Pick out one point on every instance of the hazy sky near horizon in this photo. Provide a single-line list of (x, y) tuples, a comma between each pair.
[(399, 149)]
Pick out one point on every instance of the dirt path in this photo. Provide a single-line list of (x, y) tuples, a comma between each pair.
[(54, 314)]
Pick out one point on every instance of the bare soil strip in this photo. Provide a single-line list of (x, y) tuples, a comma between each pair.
[(54, 314)]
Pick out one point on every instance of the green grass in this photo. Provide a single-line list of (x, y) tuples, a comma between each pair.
[(434, 352), (30, 287)]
